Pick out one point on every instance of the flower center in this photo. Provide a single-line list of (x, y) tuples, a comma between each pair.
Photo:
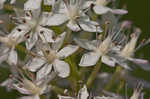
[(50, 55), (104, 47)]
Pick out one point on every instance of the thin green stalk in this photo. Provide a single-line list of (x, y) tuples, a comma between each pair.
[(94, 73), (114, 77)]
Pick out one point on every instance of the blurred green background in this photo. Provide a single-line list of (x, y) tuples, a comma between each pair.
[(139, 13)]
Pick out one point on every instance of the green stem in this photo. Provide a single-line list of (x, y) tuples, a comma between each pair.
[(57, 89), (94, 73), (114, 77)]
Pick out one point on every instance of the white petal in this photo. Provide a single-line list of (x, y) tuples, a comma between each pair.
[(31, 41), (87, 4), (73, 26), (107, 60), (46, 35), (30, 97), (144, 64), (44, 71), (90, 26), (56, 19), (64, 97), (62, 68), (12, 1), (21, 89), (89, 59), (101, 9), (119, 11), (66, 51), (35, 64), (84, 43), (59, 41), (12, 57), (3, 58), (32, 4), (49, 2), (83, 93)]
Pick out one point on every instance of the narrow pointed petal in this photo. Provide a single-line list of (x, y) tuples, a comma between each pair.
[(21, 89), (62, 68), (56, 19), (66, 51), (84, 43), (44, 71), (101, 9), (83, 93), (89, 59), (144, 64), (90, 26), (119, 11), (59, 41), (12, 57), (107, 60)]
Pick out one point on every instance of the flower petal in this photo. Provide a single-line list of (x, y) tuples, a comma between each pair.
[(46, 35), (101, 9), (66, 51), (62, 68), (119, 11), (31, 41), (12, 57), (73, 26), (44, 71), (84, 43), (32, 4), (89, 59), (21, 89), (90, 26), (144, 64), (59, 41), (56, 19), (107, 60), (35, 64), (83, 93)]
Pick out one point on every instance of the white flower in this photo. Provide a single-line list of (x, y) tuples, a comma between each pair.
[(9, 43), (50, 58), (127, 52), (72, 11), (97, 49), (34, 21), (100, 7), (32, 5)]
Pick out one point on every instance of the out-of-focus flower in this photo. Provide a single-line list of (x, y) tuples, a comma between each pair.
[(127, 52), (33, 21), (3, 1), (32, 5), (137, 94), (50, 58), (7, 50), (100, 7), (73, 12)]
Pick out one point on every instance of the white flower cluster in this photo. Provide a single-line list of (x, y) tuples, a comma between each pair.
[(46, 50)]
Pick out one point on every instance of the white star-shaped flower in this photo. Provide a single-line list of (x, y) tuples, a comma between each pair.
[(73, 12), (50, 58)]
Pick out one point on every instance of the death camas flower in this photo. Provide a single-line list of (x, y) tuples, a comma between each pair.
[(50, 59), (9, 42), (100, 7), (97, 48), (127, 52), (73, 12)]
